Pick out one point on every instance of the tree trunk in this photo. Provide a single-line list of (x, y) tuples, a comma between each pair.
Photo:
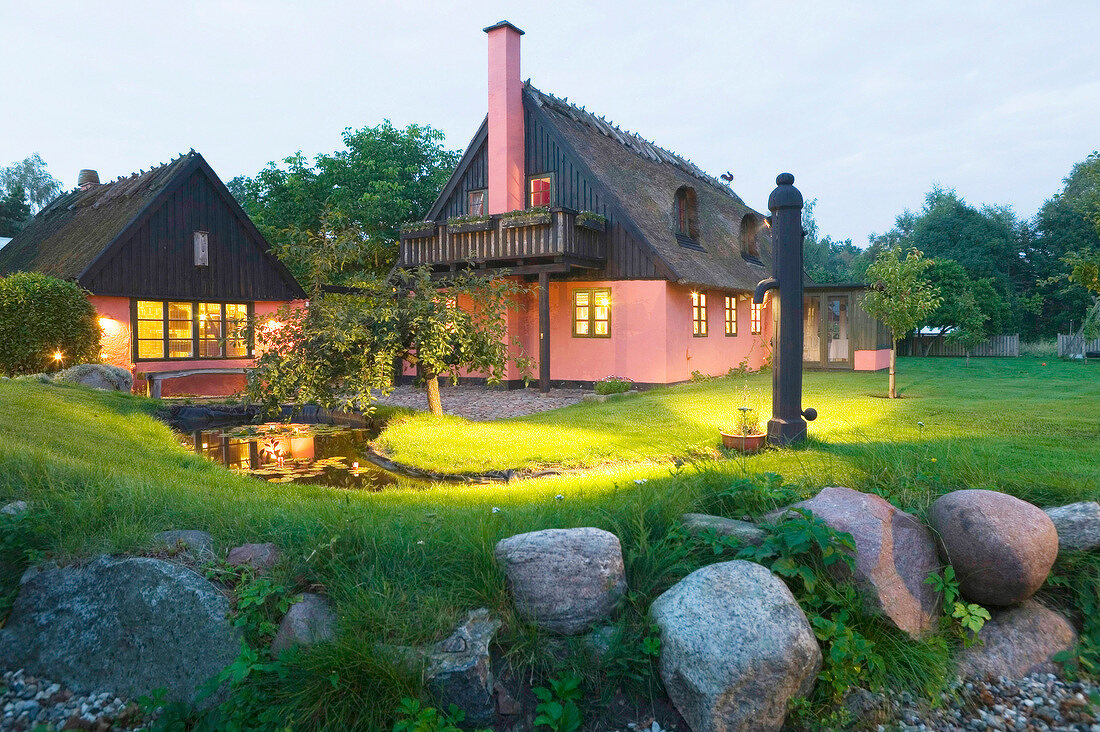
[(893, 370), (435, 406)]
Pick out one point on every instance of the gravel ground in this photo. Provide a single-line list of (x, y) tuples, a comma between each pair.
[(481, 404), (27, 702), (1039, 703)]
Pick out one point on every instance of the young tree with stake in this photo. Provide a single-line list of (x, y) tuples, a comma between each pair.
[(901, 296)]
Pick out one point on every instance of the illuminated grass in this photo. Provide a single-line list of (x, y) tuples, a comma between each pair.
[(1011, 423)]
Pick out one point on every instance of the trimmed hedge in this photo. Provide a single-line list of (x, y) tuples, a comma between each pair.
[(41, 315)]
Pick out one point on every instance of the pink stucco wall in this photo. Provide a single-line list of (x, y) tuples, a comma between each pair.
[(114, 321), (869, 360)]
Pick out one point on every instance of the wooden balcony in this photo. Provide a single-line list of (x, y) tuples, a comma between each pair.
[(534, 242)]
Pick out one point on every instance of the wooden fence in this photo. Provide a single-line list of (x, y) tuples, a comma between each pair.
[(1069, 345), (926, 345)]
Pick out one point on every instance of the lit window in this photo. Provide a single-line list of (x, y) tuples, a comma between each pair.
[(192, 330), (181, 330), (698, 314), (592, 313), (538, 191), (477, 203), (731, 315), (755, 318), (150, 329)]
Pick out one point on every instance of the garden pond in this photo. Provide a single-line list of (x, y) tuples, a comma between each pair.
[(281, 452)]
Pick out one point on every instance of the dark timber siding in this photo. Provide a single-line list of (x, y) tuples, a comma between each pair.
[(475, 177), (157, 257), (573, 188)]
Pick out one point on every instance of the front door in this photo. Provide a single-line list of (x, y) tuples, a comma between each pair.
[(838, 345)]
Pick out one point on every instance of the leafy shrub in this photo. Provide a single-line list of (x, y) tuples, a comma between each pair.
[(41, 316), (613, 385), (417, 718), (557, 709)]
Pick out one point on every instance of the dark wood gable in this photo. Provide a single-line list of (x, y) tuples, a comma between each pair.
[(154, 256), (574, 187)]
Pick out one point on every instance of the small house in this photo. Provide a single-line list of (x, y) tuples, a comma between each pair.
[(178, 274), (642, 265)]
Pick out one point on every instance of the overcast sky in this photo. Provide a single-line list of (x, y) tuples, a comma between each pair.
[(867, 103)]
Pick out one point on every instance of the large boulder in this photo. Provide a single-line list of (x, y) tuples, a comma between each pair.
[(1078, 525), (564, 580), (745, 532), (895, 553), (308, 621), (128, 626), (97, 376), (1017, 642), (735, 648), (1002, 548)]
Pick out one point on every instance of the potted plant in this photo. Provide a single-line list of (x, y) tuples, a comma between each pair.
[(745, 436)]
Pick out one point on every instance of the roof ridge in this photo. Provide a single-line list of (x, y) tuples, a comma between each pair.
[(630, 140)]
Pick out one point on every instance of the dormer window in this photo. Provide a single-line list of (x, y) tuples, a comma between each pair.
[(538, 190), (750, 229), (477, 203), (686, 217)]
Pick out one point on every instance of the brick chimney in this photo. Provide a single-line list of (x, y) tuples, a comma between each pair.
[(506, 166)]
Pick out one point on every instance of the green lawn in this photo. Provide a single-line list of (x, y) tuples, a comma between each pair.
[(1010, 423), (402, 566)]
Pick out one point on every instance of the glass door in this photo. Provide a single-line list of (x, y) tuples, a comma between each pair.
[(836, 329), (811, 330)]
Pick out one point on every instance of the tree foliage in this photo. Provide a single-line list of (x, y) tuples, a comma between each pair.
[(344, 345), (383, 177), (30, 176), (900, 295), (14, 212), (824, 259), (42, 316)]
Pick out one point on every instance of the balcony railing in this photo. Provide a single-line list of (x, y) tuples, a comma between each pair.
[(504, 240)]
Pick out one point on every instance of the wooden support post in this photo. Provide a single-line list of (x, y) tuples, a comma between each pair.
[(544, 332)]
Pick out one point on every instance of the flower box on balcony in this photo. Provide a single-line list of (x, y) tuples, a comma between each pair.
[(469, 226), (525, 217), (591, 221), (418, 230)]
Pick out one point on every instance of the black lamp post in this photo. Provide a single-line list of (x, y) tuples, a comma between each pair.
[(787, 424)]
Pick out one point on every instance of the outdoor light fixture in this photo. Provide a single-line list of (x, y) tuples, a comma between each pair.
[(58, 356)]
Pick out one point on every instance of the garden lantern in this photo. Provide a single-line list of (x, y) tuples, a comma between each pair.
[(788, 422)]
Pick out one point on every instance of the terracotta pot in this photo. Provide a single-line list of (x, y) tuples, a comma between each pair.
[(744, 443)]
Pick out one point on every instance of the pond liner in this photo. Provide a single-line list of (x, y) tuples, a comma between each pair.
[(490, 476)]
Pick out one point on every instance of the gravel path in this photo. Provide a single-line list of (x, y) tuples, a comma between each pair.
[(1039, 703), (481, 404), (27, 702)]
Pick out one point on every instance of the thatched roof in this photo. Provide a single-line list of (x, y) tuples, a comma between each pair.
[(70, 233), (644, 178)]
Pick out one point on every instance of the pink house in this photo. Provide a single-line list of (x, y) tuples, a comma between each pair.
[(641, 264), (176, 270)]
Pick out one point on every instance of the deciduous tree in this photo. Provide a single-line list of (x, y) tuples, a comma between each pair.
[(901, 296)]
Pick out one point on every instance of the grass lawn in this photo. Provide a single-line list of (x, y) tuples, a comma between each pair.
[(402, 566), (1009, 423)]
